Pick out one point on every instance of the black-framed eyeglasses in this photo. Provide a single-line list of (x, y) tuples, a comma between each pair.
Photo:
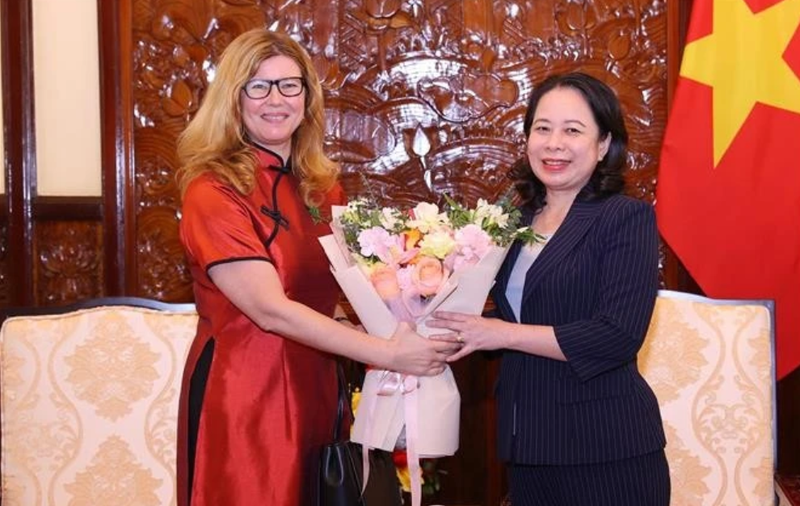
[(261, 88)]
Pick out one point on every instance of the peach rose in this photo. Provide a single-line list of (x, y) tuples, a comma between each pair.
[(384, 279), (428, 275)]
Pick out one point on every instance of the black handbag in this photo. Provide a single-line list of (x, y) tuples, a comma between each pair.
[(341, 469)]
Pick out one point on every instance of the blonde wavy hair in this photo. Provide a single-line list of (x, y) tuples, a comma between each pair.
[(215, 139)]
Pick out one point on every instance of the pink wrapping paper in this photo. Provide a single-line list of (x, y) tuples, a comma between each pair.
[(380, 418)]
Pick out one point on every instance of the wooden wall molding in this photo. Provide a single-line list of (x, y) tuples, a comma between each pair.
[(67, 209), (117, 145), (4, 264), (20, 144)]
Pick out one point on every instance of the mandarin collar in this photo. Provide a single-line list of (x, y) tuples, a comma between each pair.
[(274, 161)]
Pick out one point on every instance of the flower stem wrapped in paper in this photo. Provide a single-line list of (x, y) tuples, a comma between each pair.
[(402, 265)]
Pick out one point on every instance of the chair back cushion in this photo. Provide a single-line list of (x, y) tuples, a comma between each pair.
[(90, 404), (711, 366)]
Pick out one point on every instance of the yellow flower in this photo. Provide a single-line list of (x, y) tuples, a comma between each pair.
[(438, 244), (404, 475), (355, 400)]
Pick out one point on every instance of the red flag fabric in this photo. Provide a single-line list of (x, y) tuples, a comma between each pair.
[(728, 193)]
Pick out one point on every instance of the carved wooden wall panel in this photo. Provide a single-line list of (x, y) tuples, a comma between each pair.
[(68, 261), (423, 97), (162, 272)]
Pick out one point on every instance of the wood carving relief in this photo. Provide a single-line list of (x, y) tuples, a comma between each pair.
[(166, 275), (69, 257), (423, 97)]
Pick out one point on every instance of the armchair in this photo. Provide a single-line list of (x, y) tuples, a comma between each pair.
[(89, 403), (711, 364)]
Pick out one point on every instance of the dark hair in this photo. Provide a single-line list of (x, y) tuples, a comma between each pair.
[(607, 176)]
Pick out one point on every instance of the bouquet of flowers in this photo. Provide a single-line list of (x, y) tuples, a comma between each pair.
[(401, 265), (409, 256)]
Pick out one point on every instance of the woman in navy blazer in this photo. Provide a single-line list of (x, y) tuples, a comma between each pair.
[(577, 423)]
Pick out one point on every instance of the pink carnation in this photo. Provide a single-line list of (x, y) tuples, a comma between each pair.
[(473, 243), (378, 242)]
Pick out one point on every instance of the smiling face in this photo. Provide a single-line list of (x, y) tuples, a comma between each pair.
[(271, 121), (564, 144)]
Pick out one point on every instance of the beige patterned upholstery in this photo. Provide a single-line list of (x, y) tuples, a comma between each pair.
[(89, 406), (711, 365)]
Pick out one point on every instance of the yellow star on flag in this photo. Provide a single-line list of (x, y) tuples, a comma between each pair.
[(742, 60)]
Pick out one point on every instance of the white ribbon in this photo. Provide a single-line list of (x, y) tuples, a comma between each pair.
[(390, 382)]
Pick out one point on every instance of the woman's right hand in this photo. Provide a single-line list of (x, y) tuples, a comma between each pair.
[(413, 354)]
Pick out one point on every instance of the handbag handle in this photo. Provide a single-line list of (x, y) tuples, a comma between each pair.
[(343, 401)]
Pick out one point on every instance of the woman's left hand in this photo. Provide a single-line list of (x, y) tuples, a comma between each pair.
[(474, 332)]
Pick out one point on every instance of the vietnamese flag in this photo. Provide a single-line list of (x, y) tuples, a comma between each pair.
[(728, 194)]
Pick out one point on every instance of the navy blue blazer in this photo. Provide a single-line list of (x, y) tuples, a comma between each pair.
[(595, 282)]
